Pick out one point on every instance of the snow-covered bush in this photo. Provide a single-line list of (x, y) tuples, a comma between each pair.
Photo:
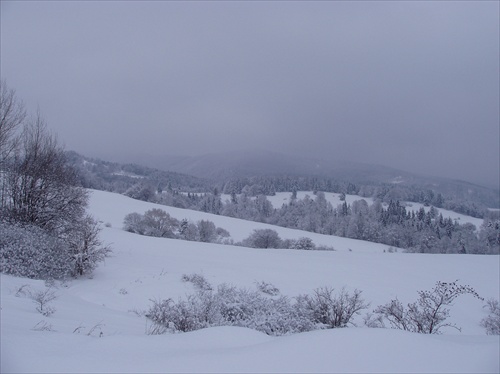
[(133, 222), (158, 223), (42, 300), (85, 247), (429, 313), (44, 232), (28, 251), (263, 238), (278, 315), (327, 310), (492, 322), (303, 243), (267, 288), (199, 281), (207, 232)]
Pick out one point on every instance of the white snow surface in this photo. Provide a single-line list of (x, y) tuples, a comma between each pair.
[(143, 268)]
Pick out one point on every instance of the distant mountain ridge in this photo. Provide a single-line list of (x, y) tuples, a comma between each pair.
[(258, 163), (224, 166)]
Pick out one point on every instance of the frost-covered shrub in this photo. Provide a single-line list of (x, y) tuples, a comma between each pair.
[(207, 232), (303, 243), (133, 222), (29, 251), (429, 313), (232, 306), (267, 288), (155, 222), (86, 249), (199, 281), (158, 223), (263, 238), (327, 310), (42, 300), (492, 322)]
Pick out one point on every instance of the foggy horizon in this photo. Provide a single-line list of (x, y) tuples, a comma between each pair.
[(408, 85)]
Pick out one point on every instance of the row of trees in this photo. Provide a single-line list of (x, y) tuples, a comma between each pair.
[(392, 224), (45, 229), (158, 223), (466, 199)]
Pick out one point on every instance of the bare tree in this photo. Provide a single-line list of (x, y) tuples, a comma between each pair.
[(41, 186), (12, 115), (429, 313), (39, 191)]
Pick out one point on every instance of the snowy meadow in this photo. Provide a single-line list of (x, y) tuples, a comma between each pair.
[(97, 323)]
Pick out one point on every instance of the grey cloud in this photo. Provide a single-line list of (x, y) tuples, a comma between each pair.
[(407, 84)]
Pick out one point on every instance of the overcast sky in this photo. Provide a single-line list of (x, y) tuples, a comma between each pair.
[(412, 85)]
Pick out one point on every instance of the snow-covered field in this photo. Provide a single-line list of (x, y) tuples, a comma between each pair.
[(144, 268)]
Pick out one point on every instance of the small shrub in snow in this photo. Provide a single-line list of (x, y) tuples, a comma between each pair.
[(155, 329), (429, 313), (325, 248), (23, 290), (42, 300), (303, 243), (267, 288), (263, 238), (492, 322), (29, 251), (332, 311), (198, 280), (374, 320), (97, 329), (43, 326)]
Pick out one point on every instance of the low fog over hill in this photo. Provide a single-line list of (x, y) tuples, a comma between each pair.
[(223, 166)]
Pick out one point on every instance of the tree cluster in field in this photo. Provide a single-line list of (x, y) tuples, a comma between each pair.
[(44, 229), (269, 238), (462, 198), (266, 310), (158, 223), (422, 231)]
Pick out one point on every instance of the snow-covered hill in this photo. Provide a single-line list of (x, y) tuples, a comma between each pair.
[(144, 268)]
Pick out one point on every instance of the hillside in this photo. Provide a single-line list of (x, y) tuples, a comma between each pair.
[(144, 268), (254, 164)]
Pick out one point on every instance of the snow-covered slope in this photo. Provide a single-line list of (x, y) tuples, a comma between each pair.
[(144, 268)]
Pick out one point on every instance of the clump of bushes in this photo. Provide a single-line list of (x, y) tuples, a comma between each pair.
[(158, 223), (266, 310), (269, 238), (32, 252), (263, 309)]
